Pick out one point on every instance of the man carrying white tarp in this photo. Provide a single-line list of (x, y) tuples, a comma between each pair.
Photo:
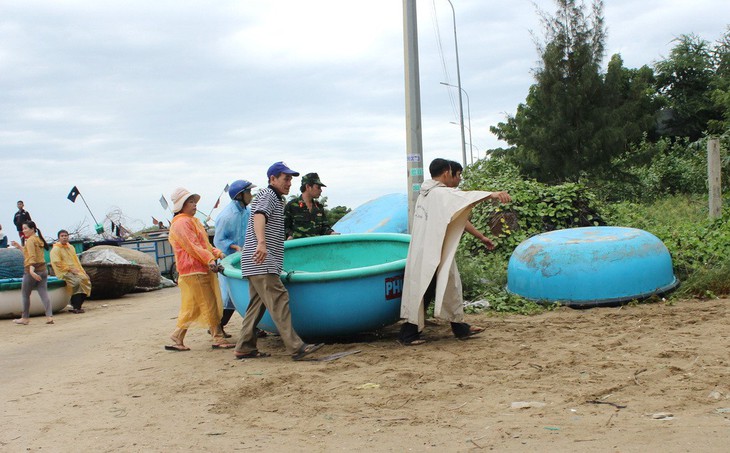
[(440, 217)]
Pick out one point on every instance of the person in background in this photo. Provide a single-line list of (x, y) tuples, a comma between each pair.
[(195, 259), (230, 231), (262, 260), (3, 239), (440, 217), (36, 273), (305, 216), (20, 218), (66, 266)]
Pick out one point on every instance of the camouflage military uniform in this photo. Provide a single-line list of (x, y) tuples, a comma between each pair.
[(300, 222)]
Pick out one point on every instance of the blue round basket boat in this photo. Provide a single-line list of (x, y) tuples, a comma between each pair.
[(386, 214), (338, 285), (588, 267)]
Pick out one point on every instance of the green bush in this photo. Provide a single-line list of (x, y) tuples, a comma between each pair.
[(699, 247), (649, 170), (536, 207)]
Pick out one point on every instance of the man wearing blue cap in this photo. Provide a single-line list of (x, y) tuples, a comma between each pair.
[(262, 260), (230, 230)]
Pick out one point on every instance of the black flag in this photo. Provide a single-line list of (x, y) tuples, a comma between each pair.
[(73, 194)]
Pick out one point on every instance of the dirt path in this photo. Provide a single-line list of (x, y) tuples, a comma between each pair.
[(102, 382)]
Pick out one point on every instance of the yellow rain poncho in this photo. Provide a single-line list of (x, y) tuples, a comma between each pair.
[(64, 262), (201, 298)]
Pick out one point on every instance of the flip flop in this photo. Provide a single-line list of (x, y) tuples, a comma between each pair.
[(223, 346), (305, 350), (255, 354), (20, 322), (176, 347)]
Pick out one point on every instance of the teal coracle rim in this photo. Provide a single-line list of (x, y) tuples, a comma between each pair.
[(16, 283), (231, 264)]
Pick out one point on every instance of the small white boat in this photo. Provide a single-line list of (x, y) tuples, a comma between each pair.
[(11, 302)]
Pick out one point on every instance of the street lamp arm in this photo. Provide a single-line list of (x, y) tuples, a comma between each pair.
[(468, 108)]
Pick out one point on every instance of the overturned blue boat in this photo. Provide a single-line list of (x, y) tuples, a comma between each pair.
[(591, 267), (338, 285), (385, 214)]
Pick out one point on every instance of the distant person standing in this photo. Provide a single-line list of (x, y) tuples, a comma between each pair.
[(68, 268), (3, 239), (36, 273), (21, 217), (230, 231), (262, 261), (304, 215)]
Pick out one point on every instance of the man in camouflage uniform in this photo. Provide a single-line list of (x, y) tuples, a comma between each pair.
[(304, 216)]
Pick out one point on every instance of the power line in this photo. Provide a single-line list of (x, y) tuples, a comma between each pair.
[(444, 66)]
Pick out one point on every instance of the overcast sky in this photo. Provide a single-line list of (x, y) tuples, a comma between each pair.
[(130, 99)]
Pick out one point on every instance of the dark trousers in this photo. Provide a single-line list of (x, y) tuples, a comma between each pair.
[(409, 332), (227, 313), (77, 300)]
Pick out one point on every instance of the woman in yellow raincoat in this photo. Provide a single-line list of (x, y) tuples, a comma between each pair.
[(196, 263)]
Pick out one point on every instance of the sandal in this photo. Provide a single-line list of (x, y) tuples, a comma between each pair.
[(473, 330), (176, 347), (305, 350), (21, 321), (255, 354), (223, 346)]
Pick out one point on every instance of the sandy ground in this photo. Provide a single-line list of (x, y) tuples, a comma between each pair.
[(594, 380)]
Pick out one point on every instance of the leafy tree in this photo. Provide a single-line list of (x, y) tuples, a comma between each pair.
[(336, 213), (720, 85), (574, 120), (684, 80)]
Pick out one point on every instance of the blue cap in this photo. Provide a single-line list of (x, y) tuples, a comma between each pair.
[(239, 186), (280, 167)]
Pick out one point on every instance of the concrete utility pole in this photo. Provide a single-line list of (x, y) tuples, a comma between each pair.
[(713, 177), (414, 140)]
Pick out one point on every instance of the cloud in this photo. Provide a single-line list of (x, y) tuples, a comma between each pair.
[(129, 100)]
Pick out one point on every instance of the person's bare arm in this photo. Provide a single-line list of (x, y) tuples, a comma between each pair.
[(502, 197), (259, 227), (471, 229)]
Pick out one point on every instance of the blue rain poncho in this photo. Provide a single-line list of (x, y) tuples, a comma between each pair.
[(230, 229)]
